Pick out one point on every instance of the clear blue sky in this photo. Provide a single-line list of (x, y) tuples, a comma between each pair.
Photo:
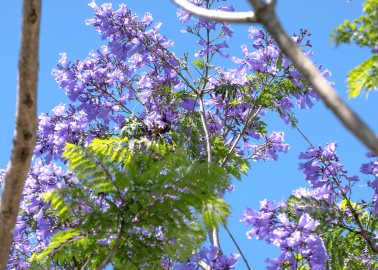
[(63, 30)]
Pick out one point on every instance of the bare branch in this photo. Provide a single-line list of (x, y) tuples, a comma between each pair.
[(213, 233), (217, 15), (26, 125)]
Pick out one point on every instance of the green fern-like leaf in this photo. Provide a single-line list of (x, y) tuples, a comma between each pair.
[(365, 76), (215, 213), (59, 240), (128, 190)]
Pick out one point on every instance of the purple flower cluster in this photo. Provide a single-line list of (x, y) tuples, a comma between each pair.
[(267, 58), (329, 181), (322, 168), (371, 168), (37, 223), (292, 238), (211, 44), (67, 125), (270, 148), (134, 65), (212, 258)]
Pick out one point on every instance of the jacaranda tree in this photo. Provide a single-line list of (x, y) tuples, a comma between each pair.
[(132, 172)]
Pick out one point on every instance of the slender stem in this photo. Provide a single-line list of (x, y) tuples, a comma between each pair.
[(249, 119), (114, 249), (213, 233), (363, 232), (122, 105), (238, 247), (205, 127), (85, 264)]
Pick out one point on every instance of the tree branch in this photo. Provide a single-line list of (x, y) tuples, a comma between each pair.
[(114, 250), (250, 118), (217, 15), (26, 126), (205, 126), (265, 14), (238, 247)]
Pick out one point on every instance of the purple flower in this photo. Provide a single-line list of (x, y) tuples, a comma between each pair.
[(211, 257), (274, 226), (272, 146), (183, 15)]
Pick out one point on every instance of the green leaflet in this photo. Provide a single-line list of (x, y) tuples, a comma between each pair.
[(216, 212), (134, 192), (57, 203), (364, 76), (60, 240), (364, 32), (345, 246), (200, 63), (346, 249), (236, 164)]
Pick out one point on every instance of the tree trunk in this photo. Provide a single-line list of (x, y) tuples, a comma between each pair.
[(25, 129)]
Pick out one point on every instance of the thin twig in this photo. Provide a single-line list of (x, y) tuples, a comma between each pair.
[(114, 249), (205, 127), (249, 119), (237, 247), (204, 265), (85, 264)]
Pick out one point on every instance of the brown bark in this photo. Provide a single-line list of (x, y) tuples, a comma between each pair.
[(25, 129)]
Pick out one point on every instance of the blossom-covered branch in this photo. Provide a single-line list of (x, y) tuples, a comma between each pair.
[(265, 14)]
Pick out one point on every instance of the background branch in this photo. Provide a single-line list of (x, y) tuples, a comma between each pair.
[(114, 250), (26, 125)]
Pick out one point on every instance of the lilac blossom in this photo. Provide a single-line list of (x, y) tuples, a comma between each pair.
[(371, 168), (136, 68), (270, 148), (42, 178), (271, 224), (212, 258), (322, 167)]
